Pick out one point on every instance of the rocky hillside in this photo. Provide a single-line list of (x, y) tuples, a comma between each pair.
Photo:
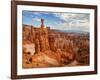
[(45, 47)]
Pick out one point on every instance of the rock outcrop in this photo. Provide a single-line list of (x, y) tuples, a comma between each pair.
[(53, 47)]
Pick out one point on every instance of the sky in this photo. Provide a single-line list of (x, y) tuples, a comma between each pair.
[(57, 20)]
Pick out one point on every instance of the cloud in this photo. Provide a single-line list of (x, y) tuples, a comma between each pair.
[(71, 16), (36, 13), (66, 26), (40, 13), (36, 19), (73, 21)]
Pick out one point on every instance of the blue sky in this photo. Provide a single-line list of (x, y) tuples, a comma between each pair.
[(61, 21)]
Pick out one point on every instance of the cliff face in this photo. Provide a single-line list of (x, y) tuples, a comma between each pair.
[(53, 47)]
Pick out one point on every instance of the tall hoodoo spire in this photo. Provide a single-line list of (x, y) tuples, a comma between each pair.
[(42, 23)]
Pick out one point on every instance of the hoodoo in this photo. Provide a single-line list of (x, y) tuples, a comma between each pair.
[(42, 23), (47, 47)]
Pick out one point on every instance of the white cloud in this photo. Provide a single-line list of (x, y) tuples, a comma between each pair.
[(36, 19), (73, 21), (36, 13), (39, 13)]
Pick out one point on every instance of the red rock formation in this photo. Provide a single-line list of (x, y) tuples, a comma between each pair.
[(52, 47)]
